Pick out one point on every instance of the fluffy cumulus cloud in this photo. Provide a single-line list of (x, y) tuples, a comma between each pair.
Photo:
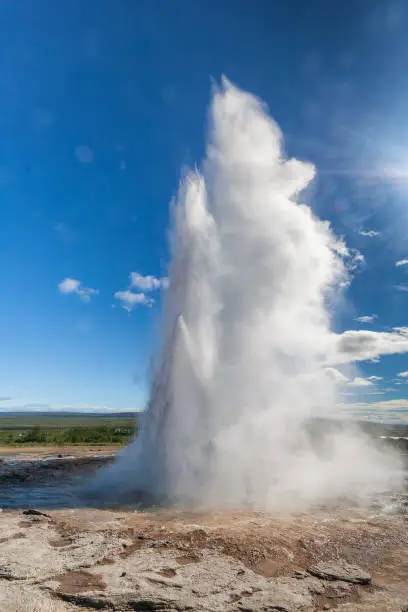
[(343, 381), (403, 374), (72, 285), (401, 262), (362, 345), (129, 300), (139, 285), (360, 382), (369, 233), (147, 283), (366, 318)]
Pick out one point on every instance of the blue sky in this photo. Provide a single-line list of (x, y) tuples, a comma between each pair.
[(103, 103)]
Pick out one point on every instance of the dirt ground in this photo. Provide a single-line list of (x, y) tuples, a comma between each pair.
[(40, 452)]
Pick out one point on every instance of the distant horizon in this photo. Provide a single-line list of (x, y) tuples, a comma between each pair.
[(70, 410), (100, 411)]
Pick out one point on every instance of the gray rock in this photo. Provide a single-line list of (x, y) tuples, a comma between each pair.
[(34, 512), (90, 601), (153, 605), (264, 607), (340, 570)]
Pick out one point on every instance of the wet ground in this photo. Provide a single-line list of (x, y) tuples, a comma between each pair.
[(51, 480), (48, 480)]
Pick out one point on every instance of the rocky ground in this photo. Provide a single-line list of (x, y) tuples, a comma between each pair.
[(83, 559)]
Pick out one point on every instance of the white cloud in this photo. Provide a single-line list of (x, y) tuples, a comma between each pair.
[(147, 283), (388, 405), (144, 284), (369, 233), (83, 154), (366, 318), (395, 410), (361, 345), (340, 379), (71, 285), (130, 300), (401, 287), (403, 374), (401, 262), (360, 382)]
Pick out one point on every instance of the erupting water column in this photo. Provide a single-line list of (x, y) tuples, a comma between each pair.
[(246, 334)]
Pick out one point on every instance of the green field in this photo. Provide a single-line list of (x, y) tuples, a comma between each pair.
[(19, 429), (61, 429)]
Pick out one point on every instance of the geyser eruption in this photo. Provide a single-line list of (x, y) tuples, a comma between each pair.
[(247, 335)]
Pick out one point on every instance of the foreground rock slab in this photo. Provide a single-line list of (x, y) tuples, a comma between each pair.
[(340, 570), (216, 562)]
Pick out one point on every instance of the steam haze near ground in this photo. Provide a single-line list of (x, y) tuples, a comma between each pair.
[(247, 337)]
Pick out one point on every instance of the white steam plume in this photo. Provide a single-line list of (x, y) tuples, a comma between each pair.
[(247, 335)]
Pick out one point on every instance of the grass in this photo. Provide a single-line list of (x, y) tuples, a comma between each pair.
[(69, 429), (66, 429)]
